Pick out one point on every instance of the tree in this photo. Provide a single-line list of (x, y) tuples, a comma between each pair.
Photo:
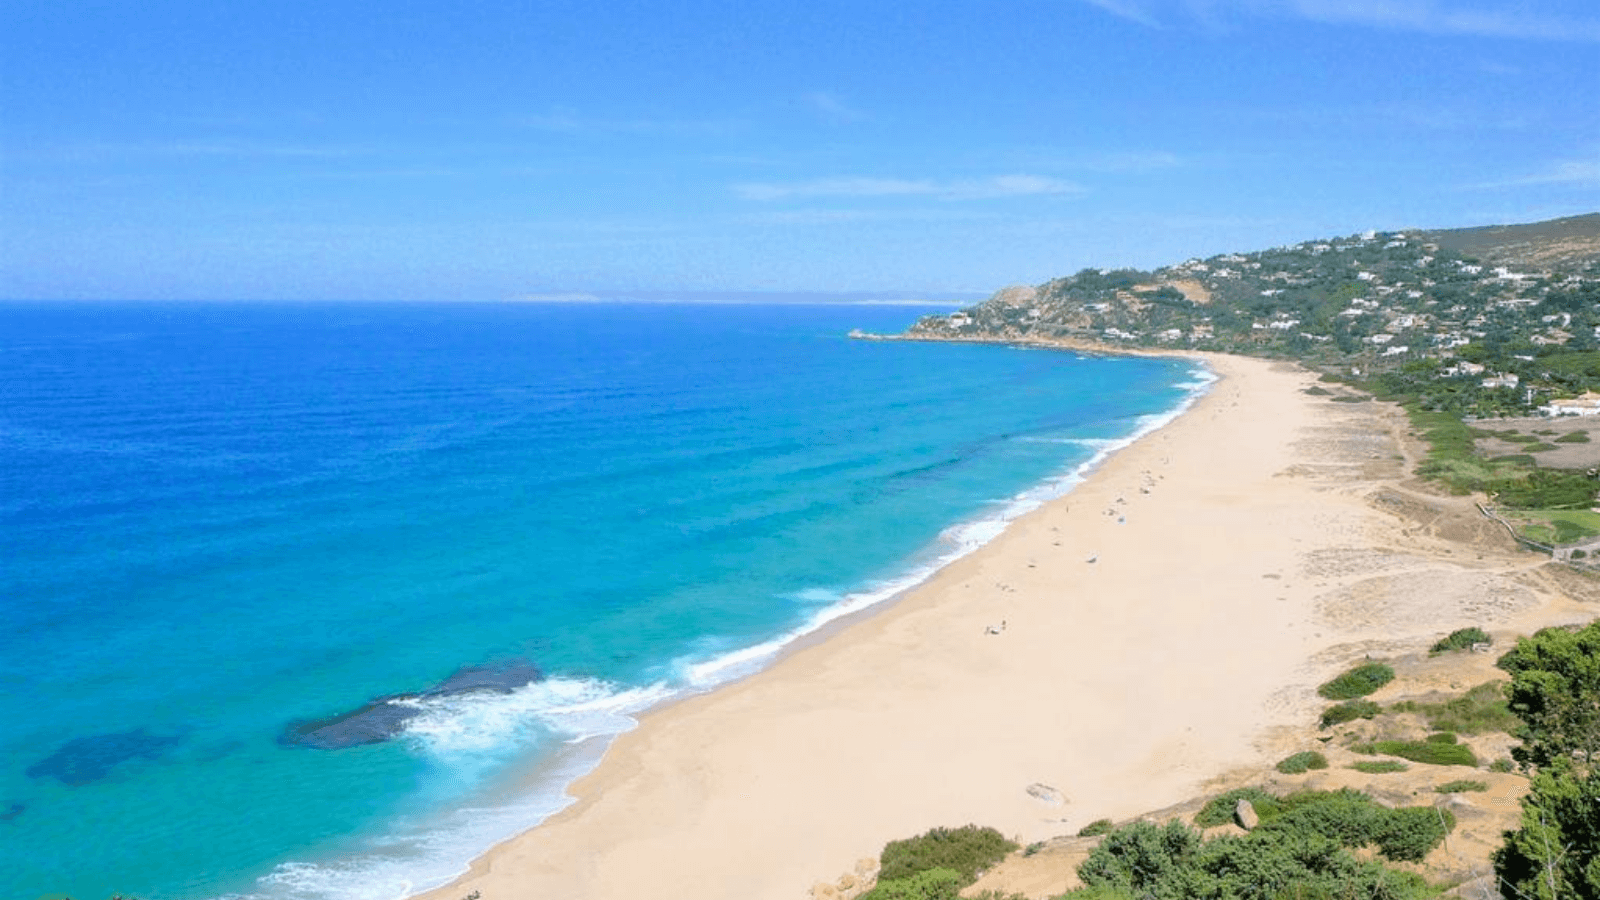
[(1555, 691), (1555, 855)]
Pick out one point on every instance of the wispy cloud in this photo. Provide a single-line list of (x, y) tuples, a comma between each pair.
[(963, 189), (1127, 9), (1435, 17), (833, 110), (1582, 172), (567, 121)]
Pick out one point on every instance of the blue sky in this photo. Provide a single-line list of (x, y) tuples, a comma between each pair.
[(399, 150)]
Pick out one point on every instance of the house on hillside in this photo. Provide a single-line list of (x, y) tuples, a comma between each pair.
[(1587, 405)]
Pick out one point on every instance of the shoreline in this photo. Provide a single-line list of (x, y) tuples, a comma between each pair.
[(918, 713)]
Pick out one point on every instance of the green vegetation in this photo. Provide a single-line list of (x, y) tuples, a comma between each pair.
[(1555, 692), (1557, 526), (1555, 853), (938, 864), (929, 884), (1481, 710), (1302, 848), (1302, 762), (1096, 828), (1461, 786), (1349, 711), (1432, 753), (1573, 437), (1461, 639), (1358, 682), (1219, 811), (1379, 766)]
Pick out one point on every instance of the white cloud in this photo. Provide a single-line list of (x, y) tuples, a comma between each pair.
[(566, 121), (1576, 173), (1435, 17), (1126, 9), (833, 110), (967, 189)]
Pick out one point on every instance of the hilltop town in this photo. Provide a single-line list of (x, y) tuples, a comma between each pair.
[(1479, 322)]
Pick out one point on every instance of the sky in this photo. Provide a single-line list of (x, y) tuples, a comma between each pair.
[(498, 151)]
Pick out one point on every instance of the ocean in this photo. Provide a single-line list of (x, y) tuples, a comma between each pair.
[(317, 601)]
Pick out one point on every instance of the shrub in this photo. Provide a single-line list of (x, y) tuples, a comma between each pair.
[(1303, 762), (1298, 855), (1379, 766), (1503, 764), (1219, 811), (1095, 828), (1461, 639), (930, 884), (967, 851), (1422, 752), (1409, 834), (1357, 682), (1461, 786), (1442, 737), (1349, 711)]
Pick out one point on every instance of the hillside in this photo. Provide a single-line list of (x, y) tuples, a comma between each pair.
[(1504, 319)]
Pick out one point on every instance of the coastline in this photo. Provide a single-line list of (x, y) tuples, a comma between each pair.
[(1159, 627)]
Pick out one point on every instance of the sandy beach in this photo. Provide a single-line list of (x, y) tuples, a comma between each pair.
[(1114, 652)]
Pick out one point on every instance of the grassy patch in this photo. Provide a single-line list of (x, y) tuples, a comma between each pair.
[(1095, 828), (1574, 437), (1302, 762), (1541, 447), (1357, 682), (1557, 526), (1461, 639), (1349, 711), (1461, 787), (1425, 752), (1379, 766)]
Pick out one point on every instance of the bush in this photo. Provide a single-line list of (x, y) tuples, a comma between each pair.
[(1303, 762), (1432, 754), (930, 884), (1503, 764), (1096, 828), (1461, 639), (1151, 862), (1220, 810), (967, 851), (1409, 834), (1349, 711), (1357, 682), (1379, 766), (1461, 786)]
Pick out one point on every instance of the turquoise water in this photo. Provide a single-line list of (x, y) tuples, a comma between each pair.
[(224, 519)]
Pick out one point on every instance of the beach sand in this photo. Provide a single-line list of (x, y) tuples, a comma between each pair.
[(1160, 626)]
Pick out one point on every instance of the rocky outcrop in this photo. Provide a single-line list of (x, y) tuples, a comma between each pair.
[(383, 718)]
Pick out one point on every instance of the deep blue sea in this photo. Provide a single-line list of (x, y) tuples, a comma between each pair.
[(220, 522)]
